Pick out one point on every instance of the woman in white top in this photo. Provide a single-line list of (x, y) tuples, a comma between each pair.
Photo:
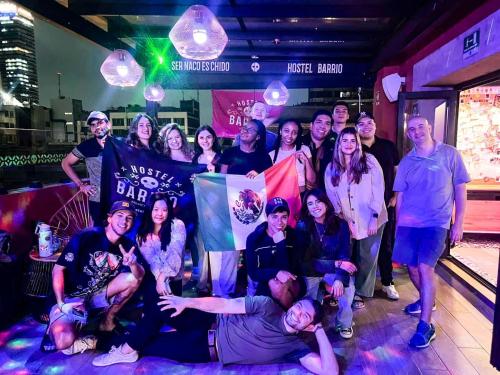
[(289, 142), (354, 182), (175, 143), (162, 239)]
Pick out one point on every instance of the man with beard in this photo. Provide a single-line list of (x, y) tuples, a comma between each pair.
[(97, 269), (387, 155), (247, 330), (320, 143), (90, 150)]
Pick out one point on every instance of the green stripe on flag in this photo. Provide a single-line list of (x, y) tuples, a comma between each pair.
[(213, 212)]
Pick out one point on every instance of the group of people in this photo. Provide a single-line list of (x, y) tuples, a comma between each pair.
[(358, 203)]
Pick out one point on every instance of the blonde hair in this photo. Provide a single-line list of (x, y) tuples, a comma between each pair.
[(165, 132)]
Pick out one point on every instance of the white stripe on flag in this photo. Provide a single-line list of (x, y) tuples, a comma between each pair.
[(247, 201)]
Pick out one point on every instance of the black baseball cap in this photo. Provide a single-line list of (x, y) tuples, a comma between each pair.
[(277, 204), (362, 115), (122, 206)]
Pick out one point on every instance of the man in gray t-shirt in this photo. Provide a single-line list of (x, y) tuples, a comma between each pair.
[(90, 150), (430, 181), (248, 330)]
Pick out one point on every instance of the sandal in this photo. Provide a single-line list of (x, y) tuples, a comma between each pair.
[(358, 303)]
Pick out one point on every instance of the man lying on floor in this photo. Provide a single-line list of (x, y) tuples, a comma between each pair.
[(248, 330)]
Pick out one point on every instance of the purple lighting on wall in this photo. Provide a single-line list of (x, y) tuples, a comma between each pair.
[(154, 93), (121, 69), (276, 93), (198, 35)]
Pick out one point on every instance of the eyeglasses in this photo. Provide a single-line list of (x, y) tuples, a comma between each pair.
[(98, 122), (248, 129)]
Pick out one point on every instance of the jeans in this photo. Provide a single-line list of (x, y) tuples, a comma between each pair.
[(344, 314), (153, 318)]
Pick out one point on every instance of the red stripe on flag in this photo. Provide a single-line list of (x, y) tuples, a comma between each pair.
[(282, 181)]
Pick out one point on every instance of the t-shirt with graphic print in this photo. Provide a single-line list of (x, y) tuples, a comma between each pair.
[(91, 151), (91, 262)]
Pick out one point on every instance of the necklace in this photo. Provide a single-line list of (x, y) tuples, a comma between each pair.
[(320, 229)]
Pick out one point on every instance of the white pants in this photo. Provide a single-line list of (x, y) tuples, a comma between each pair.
[(224, 269)]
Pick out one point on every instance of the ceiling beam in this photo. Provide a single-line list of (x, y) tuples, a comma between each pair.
[(121, 30), (276, 10), (59, 14), (423, 24)]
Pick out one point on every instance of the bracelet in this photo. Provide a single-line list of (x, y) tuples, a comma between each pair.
[(339, 264)]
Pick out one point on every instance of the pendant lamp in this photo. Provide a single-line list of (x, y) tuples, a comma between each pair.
[(276, 94), (121, 69)]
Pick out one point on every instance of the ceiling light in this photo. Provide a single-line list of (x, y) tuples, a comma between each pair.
[(198, 35), (154, 92), (121, 69), (276, 94)]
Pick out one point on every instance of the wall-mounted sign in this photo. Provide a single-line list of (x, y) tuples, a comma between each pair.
[(227, 74), (471, 44), (264, 67)]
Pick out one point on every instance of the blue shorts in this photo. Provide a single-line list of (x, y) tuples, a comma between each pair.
[(413, 246)]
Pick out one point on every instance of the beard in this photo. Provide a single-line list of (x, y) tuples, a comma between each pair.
[(103, 133)]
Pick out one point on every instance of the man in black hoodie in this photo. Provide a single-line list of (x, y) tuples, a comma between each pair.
[(270, 248)]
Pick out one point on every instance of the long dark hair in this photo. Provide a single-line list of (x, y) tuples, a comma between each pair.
[(332, 221), (147, 225), (197, 148), (132, 138), (359, 165), (260, 145), (298, 141)]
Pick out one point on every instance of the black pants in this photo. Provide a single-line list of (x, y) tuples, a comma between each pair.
[(149, 326), (386, 245)]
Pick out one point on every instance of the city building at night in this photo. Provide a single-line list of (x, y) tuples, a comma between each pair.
[(18, 70)]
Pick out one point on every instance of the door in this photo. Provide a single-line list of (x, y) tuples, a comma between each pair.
[(439, 107)]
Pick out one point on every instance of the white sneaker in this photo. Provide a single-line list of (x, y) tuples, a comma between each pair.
[(346, 333), (391, 291), (115, 355), (81, 344)]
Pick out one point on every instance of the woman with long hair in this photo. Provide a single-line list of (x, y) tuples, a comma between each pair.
[(289, 142), (161, 239), (143, 132), (207, 148), (354, 183), (207, 151), (174, 142), (325, 240)]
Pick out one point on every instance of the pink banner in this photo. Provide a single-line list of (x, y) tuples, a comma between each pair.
[(231, 110)]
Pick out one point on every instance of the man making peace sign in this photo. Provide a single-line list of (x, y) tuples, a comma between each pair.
[(97, 269)]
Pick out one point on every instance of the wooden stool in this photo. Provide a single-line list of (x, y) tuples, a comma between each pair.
[(39, 274)]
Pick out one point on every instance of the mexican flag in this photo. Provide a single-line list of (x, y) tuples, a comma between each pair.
[(231, 206)]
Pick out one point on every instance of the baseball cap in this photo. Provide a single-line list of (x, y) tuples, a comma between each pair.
[(122, 206), (361, 115), (277, 203), (96, 115)]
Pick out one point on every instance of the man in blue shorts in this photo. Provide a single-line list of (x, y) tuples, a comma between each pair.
[(430, 180)]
